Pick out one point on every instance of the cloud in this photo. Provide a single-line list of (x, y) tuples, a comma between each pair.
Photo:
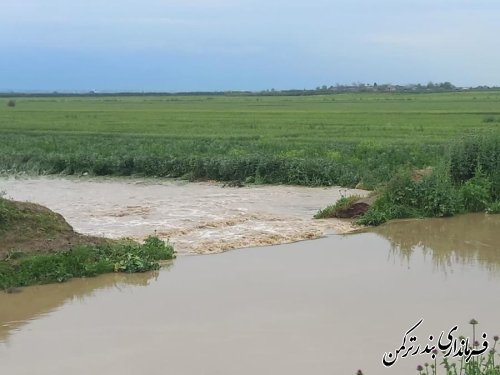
[(295, 41)]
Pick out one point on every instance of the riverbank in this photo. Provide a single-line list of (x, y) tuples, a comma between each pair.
[(467, 180), (37, 246), (31, 228)]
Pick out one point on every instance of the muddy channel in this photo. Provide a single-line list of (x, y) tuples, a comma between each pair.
[(331, 305), (199, 218)]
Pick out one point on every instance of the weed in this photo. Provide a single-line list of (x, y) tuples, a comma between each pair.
[(484, 364), (476, 192)]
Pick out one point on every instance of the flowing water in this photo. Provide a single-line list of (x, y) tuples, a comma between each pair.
[(195, 217), (325, 306)]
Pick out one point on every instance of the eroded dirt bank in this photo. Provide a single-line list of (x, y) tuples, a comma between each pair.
[(195, 217)]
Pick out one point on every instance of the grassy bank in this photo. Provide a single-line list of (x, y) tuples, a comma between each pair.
[(467, 180), (343, 139), (19, 269), (37, 246)]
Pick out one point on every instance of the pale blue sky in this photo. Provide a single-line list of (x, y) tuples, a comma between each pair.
[(245, 44)]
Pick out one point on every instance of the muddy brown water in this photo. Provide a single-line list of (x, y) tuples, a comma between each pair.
[(325, 306), (195, 217)]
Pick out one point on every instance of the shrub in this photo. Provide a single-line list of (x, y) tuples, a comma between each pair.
[(158, 249), (438, 196), (476, 193), (434, 195), (373, 216), (11, 103), (473, 152)]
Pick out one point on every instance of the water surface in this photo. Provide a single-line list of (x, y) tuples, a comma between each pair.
[(195, 217), (327, 306)]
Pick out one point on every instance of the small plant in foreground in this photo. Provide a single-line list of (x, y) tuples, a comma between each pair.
[(484, 364)]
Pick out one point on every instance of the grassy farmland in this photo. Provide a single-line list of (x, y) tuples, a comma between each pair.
[(341, 139)]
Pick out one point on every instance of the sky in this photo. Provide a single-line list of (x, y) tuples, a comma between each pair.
[(215, 45)]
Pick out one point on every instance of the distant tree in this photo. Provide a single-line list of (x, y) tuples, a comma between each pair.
[(447, 86), (11, 103)]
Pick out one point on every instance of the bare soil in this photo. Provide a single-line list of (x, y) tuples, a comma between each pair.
[(356, 209), (35, 228)]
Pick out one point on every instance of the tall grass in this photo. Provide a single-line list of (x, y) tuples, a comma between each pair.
[(468, 182), (477, 152), (214, 159)]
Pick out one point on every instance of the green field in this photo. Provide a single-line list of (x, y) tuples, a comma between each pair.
[(341, 139)]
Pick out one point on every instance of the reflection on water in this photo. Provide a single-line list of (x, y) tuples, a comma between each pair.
[(328, 306), (33, 302), (464, 239)]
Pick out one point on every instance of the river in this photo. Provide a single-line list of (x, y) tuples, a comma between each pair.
[(332, 305)]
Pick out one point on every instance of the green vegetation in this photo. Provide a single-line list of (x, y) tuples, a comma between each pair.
[(483, 364), (341, 139), (365, 139), (332, 210), (469, 181), (38, 246), (19, 269), (491, 119)]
